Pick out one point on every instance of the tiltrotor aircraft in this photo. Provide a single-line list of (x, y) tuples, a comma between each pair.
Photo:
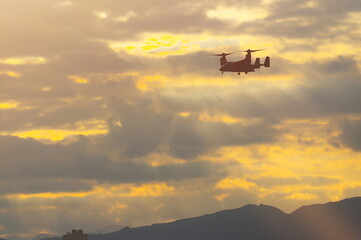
[(245, 65)]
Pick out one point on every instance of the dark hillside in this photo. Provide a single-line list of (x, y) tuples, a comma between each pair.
[(331, 221)]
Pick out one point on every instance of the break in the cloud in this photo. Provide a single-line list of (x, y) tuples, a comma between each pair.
[(309, 180), (114, 109)]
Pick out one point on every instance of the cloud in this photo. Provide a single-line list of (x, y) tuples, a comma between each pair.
[(199, 62), (351, 134), (352, 191), (41, 185), (326, 88), (335, 88), (45, 29), (310, 180), (58, 215), (59, 165), (190, 137), (172, 20), (144, 130), (303, 19), (95, 59), (166, 133)]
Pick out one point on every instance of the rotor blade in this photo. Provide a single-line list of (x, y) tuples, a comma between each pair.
[(256, 50), (232, 53), (223, 54)]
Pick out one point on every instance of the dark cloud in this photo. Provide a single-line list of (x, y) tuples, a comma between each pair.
[(304, 19), (335, 87), (64, 103), (4, 203), (58, 165), (201, 63), (351, 134), (45, 28), (339, 65), (142, 131), (96, 59), (42, 185), (347, 6), (145, 130), (190, 137), (172, 20)]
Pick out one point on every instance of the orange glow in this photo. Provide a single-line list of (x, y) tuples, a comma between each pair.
[(23, 60), (207, 117), (78, 79), (116, 208), (87, 128), (47, 195), (151, 82), (184, 114), (8, 104), (159, 45), (57, 134), (221, 197), (302, 196), (235, 183), (149, 190), (11, 74)]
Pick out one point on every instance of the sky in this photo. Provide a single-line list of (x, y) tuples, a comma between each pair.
[(114, 112)]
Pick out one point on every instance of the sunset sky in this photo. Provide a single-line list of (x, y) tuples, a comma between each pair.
[(113, 112)]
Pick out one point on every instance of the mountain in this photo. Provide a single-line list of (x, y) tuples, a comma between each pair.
[(41, 236), (330, 221), (107, 229)]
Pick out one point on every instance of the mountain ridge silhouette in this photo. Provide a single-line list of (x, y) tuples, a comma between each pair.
[(329, 221)]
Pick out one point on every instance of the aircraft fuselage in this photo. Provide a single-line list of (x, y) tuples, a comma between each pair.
[(239, 66), (245, 65)]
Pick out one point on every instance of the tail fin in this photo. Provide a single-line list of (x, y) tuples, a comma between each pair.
[(257, 63), (267, 62)]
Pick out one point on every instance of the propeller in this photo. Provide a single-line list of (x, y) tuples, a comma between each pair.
[(247, 51), (223, 54), (256, 50)]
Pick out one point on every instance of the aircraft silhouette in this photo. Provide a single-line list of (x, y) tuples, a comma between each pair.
[(245, 65)]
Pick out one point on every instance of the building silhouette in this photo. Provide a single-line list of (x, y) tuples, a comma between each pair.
[(75, 235)]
